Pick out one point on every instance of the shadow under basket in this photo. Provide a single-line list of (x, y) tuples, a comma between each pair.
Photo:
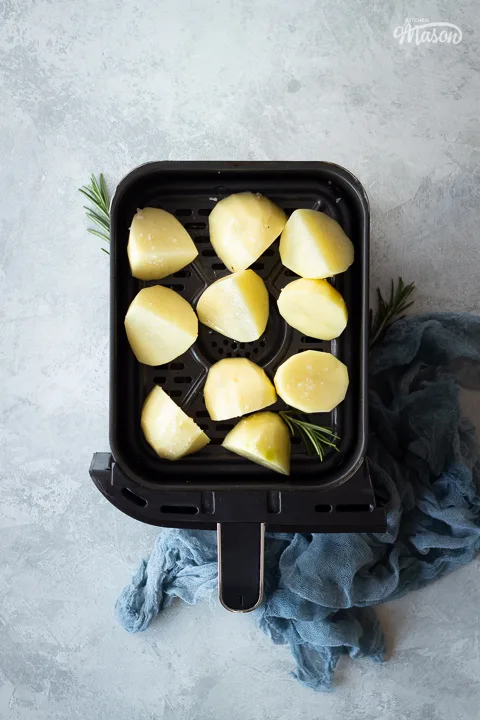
[(215, 489)]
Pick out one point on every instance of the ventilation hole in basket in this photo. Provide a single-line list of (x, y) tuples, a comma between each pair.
[(182, 274), (205, 211), (179, 509), (159, 380), (354, 507), (262, 343), (247, 354), (220, 351), (133, 498), (289, 273), (209, 253), (218, 266), (200, 239), (183, 212), (225, 342), (309, 340), (224, 427), (195, 226), (178, 287), (202, 414), (269, 252), (323, 508), (176, 393), (234, 346), (176, 366), (255, 350), (214, 344), (257, 266), (182, 380), (242, 346)]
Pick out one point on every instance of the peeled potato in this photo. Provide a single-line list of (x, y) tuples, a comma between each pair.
[(236, 306), (314, 307), (315, 246), (262, 438), (312, 381), (160, 325), (170, 432), (236, 386), (243, 226), (158, 245)]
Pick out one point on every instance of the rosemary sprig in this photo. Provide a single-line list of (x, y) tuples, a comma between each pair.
[(390, 310), (96, 192), (317, 439)]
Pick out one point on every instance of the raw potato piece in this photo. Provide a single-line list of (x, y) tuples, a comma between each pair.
[(314, 307), (160, 325), (262, 438), (243, 226), (236, 306), (158, 245), (170, 432), (315, 246), (312, 381), (236, 386)]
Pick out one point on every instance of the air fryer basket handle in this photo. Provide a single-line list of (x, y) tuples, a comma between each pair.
[(240, 565)]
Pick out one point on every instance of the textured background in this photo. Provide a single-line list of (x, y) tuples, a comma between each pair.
[(104, 86)]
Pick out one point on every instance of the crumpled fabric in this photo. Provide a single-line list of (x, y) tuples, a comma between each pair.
[(321, 589)]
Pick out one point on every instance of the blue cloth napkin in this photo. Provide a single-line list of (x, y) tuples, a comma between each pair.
[(425, 467)]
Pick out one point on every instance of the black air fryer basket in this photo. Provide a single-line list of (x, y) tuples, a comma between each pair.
[(216, 489)]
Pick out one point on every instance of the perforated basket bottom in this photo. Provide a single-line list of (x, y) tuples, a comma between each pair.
[(184, 378)]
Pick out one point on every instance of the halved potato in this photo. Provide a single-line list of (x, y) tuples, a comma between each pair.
[(170, 432), (312, 381), (314, 307), (315, 246), (262, 438), (160, 325), (243, 226), (158, 245), (236, 306), (237, 386)]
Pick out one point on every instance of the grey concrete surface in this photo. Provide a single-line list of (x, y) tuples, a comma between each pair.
[(104, 86)]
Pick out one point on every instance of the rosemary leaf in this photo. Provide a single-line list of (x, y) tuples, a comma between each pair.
[(316, 438), (99, 219), (103, 189), (92, 198), (97, 194), (100, 234), (390, 310)]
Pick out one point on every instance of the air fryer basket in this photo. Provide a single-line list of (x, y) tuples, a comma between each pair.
[(215, 488)]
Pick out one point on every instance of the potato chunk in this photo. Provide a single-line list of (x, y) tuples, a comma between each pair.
[(158, 245), (236, 306), (170, 432), (314, 307), (315, 246), (237, 386), (262, 438), (312, 381), (243, 226), (160, 325)]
